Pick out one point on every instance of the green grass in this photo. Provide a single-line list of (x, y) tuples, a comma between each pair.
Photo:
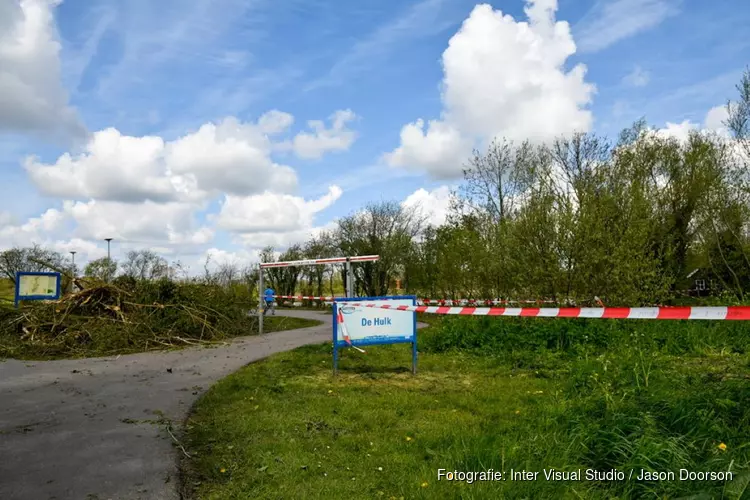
[(7, 292), (491, 393), (111, 342)]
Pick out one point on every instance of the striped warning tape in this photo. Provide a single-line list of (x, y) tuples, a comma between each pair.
[(488, 302), (441, 302), (304, 297), (706, 313), (345, 332)]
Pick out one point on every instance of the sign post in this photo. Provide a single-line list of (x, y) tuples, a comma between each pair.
[(357, 327), (37, 286)]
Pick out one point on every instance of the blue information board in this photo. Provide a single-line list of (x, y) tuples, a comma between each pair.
[(37, 286), (356, 327)]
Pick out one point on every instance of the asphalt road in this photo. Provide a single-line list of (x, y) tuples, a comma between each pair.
[(89, 429)]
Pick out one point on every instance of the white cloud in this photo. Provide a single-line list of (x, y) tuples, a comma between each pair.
[(441, 149), (610, 21), (313, 145), (147, 222), (230, 156), (680, 131), (32, 98), (713, 122), (637, 78), (272, 212), (502, 77), (433, 205), (284, 239), (716, 118)]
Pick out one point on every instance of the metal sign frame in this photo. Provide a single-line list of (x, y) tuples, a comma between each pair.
[(338, 344), (19, 297)]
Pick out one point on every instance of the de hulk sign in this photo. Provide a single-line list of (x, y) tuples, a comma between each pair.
[(357, 326)]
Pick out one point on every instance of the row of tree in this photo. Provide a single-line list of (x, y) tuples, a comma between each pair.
[(629, 221)]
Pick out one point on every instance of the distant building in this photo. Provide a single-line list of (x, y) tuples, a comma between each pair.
[(700, 282)]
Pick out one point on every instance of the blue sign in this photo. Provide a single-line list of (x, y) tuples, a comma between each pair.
[(356, 327), (37, 286)]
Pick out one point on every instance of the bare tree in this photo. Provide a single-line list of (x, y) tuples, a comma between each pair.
[(738, 120), (496, 179), (145, 265), (386, 229), (30, 259)]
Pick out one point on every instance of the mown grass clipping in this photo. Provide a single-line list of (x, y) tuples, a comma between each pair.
[(491, 393)]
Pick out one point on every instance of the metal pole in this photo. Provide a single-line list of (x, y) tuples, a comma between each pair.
[(335, 339), (73, 253), (349, 288), (260, 300)]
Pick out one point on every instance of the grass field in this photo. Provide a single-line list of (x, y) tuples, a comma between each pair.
[(491, 393)]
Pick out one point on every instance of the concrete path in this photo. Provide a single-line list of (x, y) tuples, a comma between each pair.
[(87, 429)]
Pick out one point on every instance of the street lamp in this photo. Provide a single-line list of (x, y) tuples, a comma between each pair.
[(107, 240), (73, 254)]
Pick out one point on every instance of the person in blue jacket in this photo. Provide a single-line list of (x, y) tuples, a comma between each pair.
[(268, 295)]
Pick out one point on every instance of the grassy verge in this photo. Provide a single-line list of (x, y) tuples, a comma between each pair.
[(7, 292), (490, 394)]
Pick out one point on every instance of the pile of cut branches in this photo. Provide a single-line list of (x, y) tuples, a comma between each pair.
[(124, 316)]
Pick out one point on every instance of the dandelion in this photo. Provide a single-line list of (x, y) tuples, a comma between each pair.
[(380, 469), (222, 470), (518, 412), (330, 391), (424, 485), (722, 447), (408, 438)]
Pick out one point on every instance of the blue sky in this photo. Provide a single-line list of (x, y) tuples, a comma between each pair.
[(165, 69)]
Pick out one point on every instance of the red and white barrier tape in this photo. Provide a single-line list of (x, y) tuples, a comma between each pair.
[(487, 302), (304, 297), (441, 302), (345, 332), (706, 313)]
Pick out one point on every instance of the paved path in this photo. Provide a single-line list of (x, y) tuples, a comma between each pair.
[(76, 429)]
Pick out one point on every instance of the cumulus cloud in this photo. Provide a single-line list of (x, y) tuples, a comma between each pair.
[(441, 149), (713, 122), (272, 212), (502, 77), (32, 98), (433, 205), (313, 145), (229, 156), (284, 239), (147, 222)]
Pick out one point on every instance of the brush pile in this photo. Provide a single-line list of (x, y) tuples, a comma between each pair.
[(126, 316)]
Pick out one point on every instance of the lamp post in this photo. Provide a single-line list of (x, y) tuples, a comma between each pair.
[(108, 240), (73, 254), (109, 260)]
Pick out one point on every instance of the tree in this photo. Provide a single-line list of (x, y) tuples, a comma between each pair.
[(145, 265), (282, 279), (103, 269), (386, 229), (30, 259), (738, 112)]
